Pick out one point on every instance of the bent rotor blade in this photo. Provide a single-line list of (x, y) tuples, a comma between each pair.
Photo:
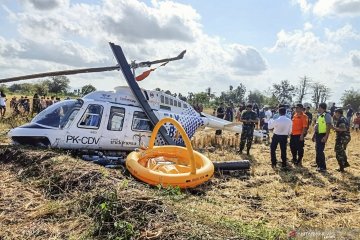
[(149, 63), (59, 73)]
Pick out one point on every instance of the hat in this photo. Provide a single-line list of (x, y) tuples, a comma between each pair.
[(299, 105)]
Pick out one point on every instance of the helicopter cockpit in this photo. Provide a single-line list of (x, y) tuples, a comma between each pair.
[(59, 115)]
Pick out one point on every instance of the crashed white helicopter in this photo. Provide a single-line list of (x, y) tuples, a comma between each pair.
[(116, 121)]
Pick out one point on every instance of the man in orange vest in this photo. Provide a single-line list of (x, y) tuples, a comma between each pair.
[(298, 132)]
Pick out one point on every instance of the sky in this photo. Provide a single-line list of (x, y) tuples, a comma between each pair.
[(253, 42)]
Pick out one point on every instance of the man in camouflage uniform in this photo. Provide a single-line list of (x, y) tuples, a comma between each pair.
[(248, 118), (342, 139)]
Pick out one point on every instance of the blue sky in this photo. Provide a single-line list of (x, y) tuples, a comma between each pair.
[(256, 43)]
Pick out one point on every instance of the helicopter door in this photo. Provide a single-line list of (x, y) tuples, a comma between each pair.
[(141, 128), (88, 130), (115, 130)]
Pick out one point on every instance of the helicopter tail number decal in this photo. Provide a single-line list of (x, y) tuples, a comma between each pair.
[(82, 140)]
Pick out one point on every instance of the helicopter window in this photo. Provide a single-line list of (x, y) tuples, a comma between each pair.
[(116, 119), (58, 114), (171, 102), (91, 117), (162, 98), (141, 122), (175, 103), (166, 100), (165, 107), (71, 118)]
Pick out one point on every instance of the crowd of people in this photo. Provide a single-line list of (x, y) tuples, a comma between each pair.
[(294, 122), (24, 106)]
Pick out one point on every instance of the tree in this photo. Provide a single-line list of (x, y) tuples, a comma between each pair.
[(351, 97), (201, 97), (58, 84), (236, 95), (41, 88), (303, 88), (87, 89), (320, 93), (256, 97), (325, 94), (239, 93), (16, 87), (3, 88), (283, 92), (27, 88), (24, 88)]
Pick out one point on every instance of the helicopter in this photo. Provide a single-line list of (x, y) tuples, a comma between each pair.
[(120, 120)]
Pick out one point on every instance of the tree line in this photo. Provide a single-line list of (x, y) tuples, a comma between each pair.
[(279, 93), (58, 85)]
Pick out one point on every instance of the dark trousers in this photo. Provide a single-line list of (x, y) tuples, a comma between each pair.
[(320, 147), (297, 148), (246, 137), (282, 140)]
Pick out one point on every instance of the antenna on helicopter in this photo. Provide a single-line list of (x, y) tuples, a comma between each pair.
[(133, 65)]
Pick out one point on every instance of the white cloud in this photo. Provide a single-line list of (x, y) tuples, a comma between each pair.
[(346, 32), (337, 7), (45, 4), (76, 35), (303, 45), (247, 60), (355, 58), (308, 26), (304, 5)]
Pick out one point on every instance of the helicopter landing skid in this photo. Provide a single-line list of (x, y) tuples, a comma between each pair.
[(109, 159)]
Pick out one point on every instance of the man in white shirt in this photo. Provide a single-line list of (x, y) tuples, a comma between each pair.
[(282, 129), (268, 115)]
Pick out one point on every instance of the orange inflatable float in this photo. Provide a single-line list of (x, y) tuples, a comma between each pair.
[(170, 165)]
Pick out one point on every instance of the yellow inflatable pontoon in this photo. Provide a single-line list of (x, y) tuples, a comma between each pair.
[(170, 165)]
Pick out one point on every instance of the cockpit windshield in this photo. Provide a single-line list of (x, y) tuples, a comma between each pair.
[(58, 115)]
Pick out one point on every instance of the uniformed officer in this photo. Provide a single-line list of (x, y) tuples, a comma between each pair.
[(342, 139), (321, 135), (248, 118)]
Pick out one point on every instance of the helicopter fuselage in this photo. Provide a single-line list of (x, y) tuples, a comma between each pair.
[(106, 121)]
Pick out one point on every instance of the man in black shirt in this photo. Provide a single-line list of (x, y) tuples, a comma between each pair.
[(332, 109), (249, 119)]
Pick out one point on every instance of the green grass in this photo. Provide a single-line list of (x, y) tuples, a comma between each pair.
[(253, 230)]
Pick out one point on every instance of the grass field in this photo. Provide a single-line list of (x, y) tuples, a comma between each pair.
[(47, 194)]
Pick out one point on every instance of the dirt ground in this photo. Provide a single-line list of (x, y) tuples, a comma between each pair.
[(47, 194)]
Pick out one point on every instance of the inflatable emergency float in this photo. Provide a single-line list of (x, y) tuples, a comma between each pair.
[(170, 165)]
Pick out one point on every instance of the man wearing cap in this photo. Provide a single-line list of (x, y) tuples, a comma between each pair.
[(248, 118), (342, 139), (298, 132), (321, 135), (282, 130)]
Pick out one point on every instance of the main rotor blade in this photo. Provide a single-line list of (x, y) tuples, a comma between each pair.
[(59, 73), (149, 63)]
